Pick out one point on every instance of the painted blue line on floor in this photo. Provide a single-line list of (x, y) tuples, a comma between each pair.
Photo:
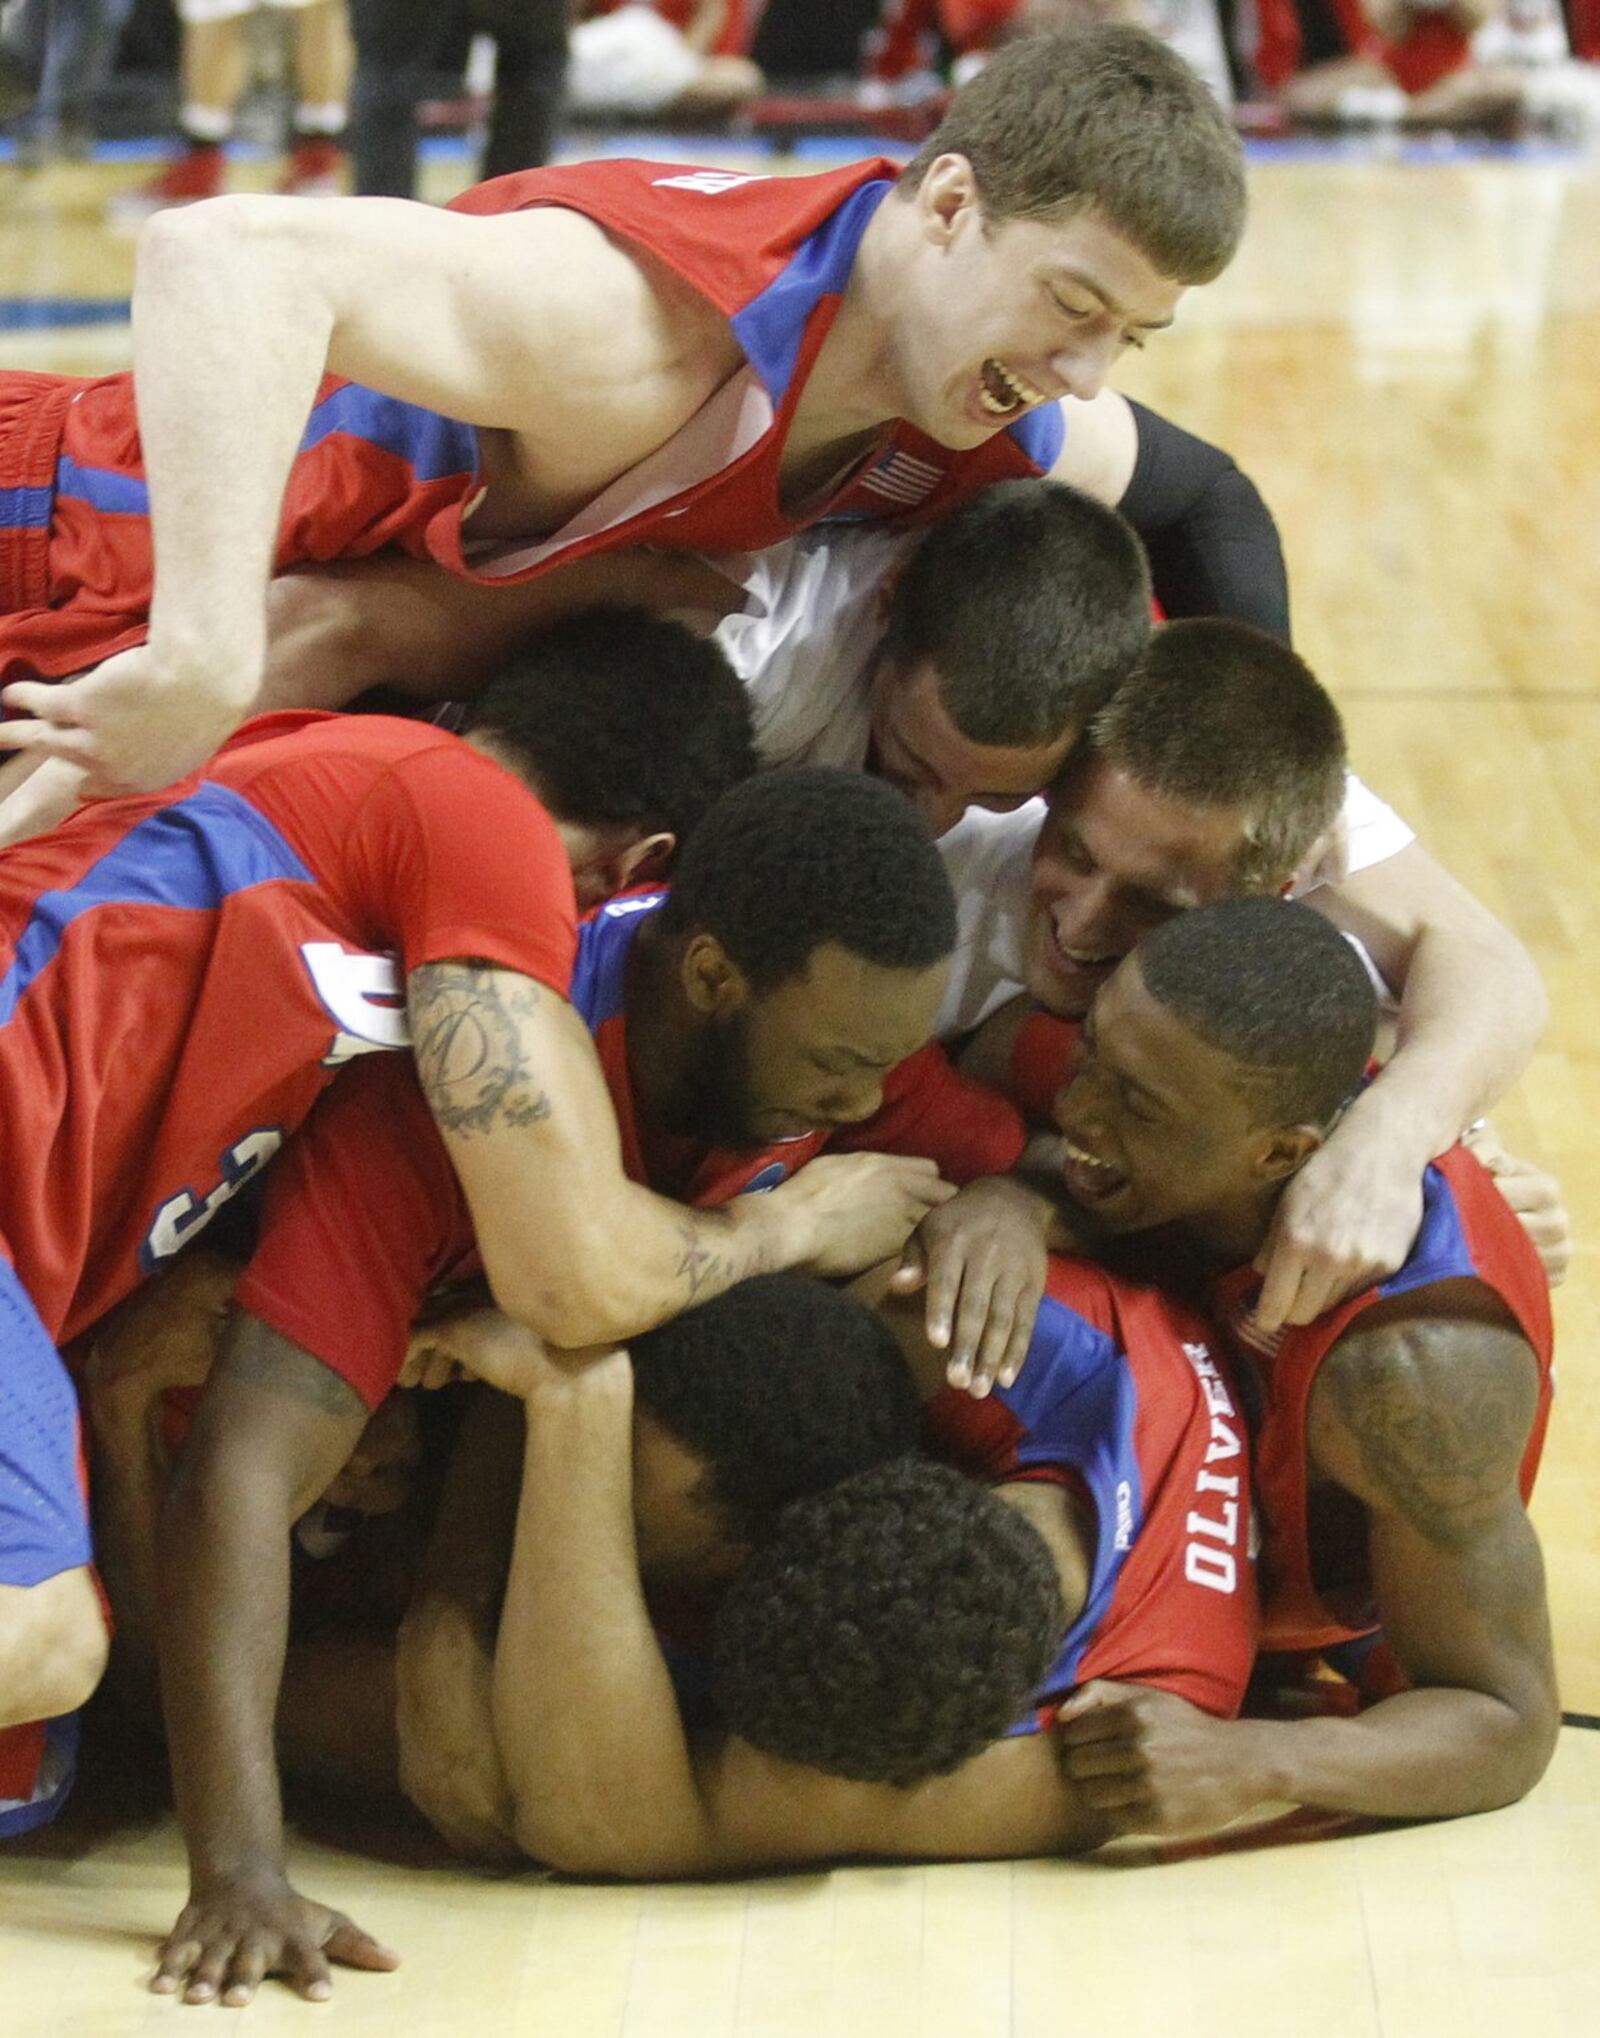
[(26, 314)]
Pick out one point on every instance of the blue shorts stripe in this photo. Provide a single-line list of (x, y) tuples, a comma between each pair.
[(58, 1772), (103, 488), (44, 1525), (196, 853), (431, 445), (25, 509)]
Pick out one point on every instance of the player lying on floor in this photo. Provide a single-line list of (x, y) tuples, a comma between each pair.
[(242, 934), (1214, 773), (839, 1670), (766, 1004), (1398, 1435)]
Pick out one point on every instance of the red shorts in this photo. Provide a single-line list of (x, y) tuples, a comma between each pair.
[(75, 561)]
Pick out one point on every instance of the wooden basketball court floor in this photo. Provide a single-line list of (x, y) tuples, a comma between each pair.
[(1405, 358)]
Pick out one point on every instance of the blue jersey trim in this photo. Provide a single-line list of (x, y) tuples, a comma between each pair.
[(102, 488), (772, 325), (25, 509), (194, 854), (605, 941), (1041, 435), (1441, 1252), (431, 445), (1077, 1403)]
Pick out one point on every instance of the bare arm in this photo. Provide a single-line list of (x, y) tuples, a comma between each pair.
[(602, 1774), (334, 631), (241, 304), (1472, 1008), (272, 1429), (1424, 1420), (572, 1248)]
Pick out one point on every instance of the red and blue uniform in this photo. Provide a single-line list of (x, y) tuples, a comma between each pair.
[(773, 254), (1125, 1403), (182, 975), (1469, 1232), (364, 1216)]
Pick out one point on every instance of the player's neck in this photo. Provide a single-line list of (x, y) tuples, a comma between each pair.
[(1231, 1233), (853, 386), (661, 1035)]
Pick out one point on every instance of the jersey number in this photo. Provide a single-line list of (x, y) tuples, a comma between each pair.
[(184, 1216)]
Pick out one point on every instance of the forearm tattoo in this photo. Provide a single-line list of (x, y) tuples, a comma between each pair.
[(1441, 1414), (466, 1036)]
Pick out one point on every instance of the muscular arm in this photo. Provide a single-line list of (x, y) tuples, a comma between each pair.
[(1214, 548), (602, 1775), (272, 1429), (1472, 1008), (241, 304), (1424, 1419), (336, 630), (572, 1248)]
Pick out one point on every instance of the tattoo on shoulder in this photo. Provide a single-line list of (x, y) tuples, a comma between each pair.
[(1440, 1413), (466, 1036)]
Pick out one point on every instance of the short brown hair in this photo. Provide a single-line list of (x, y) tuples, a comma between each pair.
[(1031, 602), (1106, 117), (1220, 715)]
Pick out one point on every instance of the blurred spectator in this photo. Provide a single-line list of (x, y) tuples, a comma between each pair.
[(678, 57), (911, 33), (397, 46), (215, 69), (54, 59)]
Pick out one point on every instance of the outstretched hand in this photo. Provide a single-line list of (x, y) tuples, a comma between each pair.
[(231, 1936), (134, 724)]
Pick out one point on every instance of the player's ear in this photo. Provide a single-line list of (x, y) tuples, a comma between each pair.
[(644, 861), (947, 193), (1284, 1150), (713, 982)]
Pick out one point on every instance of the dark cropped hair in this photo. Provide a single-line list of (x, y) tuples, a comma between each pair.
[(621, 717), (1278, 989), (1219, 715), (807, 855), (1104, 117), (1030, 602), (783, 1386), (892, 1627)]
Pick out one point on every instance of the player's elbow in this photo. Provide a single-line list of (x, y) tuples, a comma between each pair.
[(588, 1303)]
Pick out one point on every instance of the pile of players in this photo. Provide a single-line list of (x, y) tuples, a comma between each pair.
[(938, 944)]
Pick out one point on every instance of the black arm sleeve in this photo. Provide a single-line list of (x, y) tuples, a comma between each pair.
[(1213, 545)]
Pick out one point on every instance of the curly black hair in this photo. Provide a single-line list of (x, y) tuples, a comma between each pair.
[(807, 855), (621, 717), (1278, 989), (890, 1629), (783, 1385)]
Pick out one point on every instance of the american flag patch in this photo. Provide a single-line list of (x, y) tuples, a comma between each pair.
[(902, 479)]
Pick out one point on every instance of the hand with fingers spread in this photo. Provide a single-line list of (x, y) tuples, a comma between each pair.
[(234, 1932), (854, 1209), (135, 723), (982, 1258), (1534, 1195), (1347, 1219), (1152, 1763)]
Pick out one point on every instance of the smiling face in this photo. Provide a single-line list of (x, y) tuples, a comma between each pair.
[(918, 749), (1115, 860), (1158, 1128), (996, 319)]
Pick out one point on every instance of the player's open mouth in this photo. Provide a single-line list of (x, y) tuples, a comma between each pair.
[(1087, 1176), (1080, 959), (1003, 392)]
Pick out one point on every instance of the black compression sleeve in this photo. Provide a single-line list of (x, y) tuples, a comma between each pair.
[(1213, 545)]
